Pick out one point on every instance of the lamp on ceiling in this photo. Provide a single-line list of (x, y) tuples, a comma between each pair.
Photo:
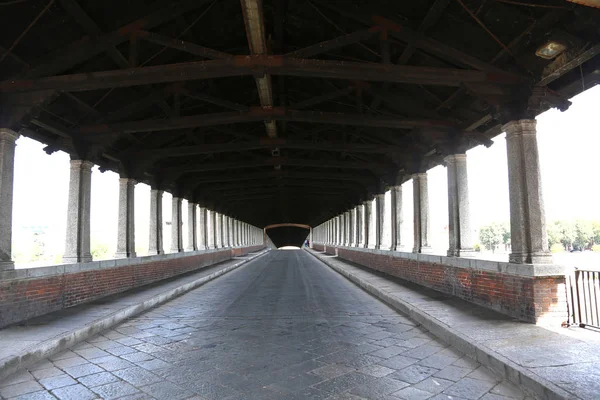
[(550, 49)]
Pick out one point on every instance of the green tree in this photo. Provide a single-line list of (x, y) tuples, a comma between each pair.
[(491, 236), (505, 229), (554, 234), (584, 234), (596, 231), (567, 233)]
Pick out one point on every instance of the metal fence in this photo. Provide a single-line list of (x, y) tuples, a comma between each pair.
[(583, 293)]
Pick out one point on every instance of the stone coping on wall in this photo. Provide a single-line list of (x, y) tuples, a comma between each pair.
[(526, 270), (61, 269)]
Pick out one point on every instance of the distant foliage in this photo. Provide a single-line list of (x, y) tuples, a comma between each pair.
[(491, 236), (574, 235)]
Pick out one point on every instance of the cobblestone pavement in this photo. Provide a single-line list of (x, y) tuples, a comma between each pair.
[(282, 327)]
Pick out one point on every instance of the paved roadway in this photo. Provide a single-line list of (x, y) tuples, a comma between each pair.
[(283, 327)]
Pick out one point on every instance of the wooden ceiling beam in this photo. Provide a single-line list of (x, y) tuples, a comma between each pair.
[(257, 114), (186, 47), (261, 64), (420, 41), (433, 16), (376, 167), (87, 47), (295, 175), (282, 143), (332, 44)]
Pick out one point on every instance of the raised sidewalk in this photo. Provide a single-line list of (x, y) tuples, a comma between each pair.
[(547, 364), (33, 340)]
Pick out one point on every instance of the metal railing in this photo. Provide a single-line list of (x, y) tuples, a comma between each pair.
[(583, 293)]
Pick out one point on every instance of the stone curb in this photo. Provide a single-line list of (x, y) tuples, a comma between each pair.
[(531, 383), (52, 346)]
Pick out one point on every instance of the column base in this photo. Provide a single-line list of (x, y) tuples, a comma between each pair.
[(190, 249), (76, 259), (155, 252), (423, 250), (531, 258), (176, 250), (465, 253), (7, 265), (398, 248), (125, 255)]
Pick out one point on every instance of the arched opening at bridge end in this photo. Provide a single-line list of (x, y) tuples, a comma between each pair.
[(288, 234)]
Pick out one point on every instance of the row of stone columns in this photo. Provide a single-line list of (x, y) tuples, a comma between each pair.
[(527, 218), (226, 231)]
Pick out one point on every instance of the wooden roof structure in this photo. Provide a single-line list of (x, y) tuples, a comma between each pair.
[(284, 110)]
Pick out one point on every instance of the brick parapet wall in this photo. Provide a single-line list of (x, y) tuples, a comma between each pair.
[(531, 293), (25, 294)]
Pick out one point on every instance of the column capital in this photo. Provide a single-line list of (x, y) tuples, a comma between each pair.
[(455, 158), (8, 135), (520, 127), (420, 175), (128, 181), (83, 164)]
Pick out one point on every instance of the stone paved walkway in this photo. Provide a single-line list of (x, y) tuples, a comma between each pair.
[(284, 327)]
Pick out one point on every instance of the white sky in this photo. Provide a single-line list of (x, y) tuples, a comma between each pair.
[(568, 147)]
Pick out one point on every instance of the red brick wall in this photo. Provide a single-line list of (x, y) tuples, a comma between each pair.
[(22, 299), (527, 298)]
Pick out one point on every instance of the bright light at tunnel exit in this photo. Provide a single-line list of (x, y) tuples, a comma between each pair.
[(289, 248)]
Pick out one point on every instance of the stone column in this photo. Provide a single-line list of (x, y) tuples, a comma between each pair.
[(203, 229), (126, 227), (176, 226), (459, 227), (7, 165), (77, 240), (344, 220), (340, 231), (229, 231), (529, 239), (234, 233), (155, 242), (379, 219), (359, 226), (192, 244), (421, 213), (218, 230), (351, 229), (212, 220), (368, 209), (396, 217)]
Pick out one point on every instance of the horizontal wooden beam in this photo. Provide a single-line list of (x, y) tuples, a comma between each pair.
[(258, 65), (257, 114), (267, 143), (298, 162), (276, 182), (295, 175)]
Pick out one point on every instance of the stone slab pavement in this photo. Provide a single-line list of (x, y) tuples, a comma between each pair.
[(35, 339), (549, 364), (284, 326)]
